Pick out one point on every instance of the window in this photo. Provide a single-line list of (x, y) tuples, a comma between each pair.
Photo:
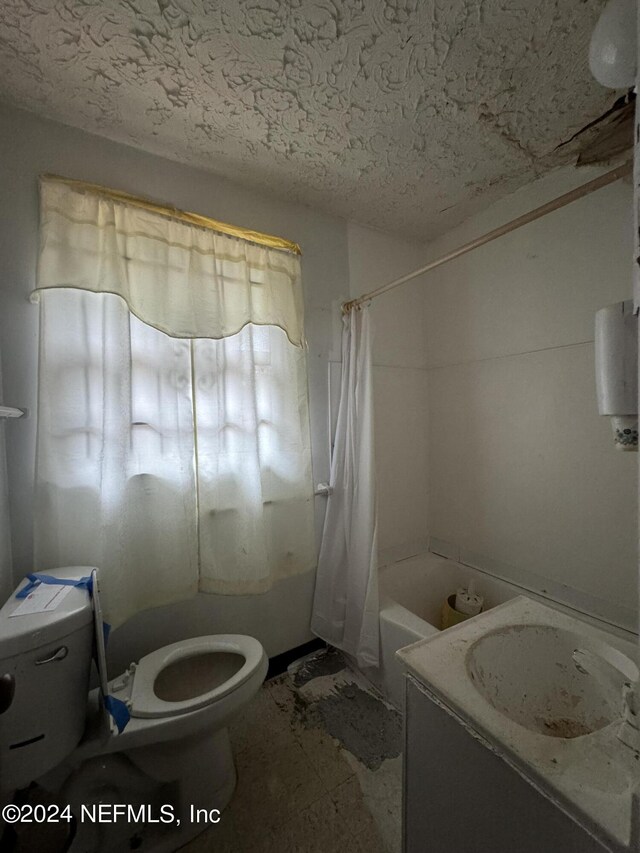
[(170, 461)]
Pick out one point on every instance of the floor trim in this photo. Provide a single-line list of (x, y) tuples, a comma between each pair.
[(279, 663)]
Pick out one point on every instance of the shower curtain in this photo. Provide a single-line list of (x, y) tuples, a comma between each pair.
[(345, 608)]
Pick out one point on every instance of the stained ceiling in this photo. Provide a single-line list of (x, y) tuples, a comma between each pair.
[(408, 115)]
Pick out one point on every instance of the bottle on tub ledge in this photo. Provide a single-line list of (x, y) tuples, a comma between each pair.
[(462, 605)]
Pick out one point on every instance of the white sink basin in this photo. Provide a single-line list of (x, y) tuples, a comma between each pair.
[(528, 674), (510, 676)]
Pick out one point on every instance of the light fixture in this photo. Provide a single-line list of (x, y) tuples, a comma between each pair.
[(613, 48)]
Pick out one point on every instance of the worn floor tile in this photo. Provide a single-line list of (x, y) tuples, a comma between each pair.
[(318, 768), (350, 805), (286, 699), (346, 706), (275, 782), (370, 841), (258, 721), (326, 757), (382, 793), (343, 706), (316, 829)]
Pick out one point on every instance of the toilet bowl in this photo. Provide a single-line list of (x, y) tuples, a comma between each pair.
[(182, 688), (175, 748)]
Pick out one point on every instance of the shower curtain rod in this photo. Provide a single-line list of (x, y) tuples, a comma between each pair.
[(536, 213)]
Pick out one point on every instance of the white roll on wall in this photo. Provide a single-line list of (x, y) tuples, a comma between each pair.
[(616, 346)]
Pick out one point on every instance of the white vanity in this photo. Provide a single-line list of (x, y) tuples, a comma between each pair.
[(521, 735)]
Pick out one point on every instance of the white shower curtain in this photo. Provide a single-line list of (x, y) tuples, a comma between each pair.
[(345, 607)]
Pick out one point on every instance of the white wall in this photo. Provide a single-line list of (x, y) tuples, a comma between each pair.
[(399, 356), (30, 146), (523, 476)]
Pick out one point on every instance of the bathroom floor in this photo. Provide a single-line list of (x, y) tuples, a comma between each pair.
[(319, 767)]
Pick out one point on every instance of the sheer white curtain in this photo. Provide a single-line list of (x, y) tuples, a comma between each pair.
[(254, 460), (345, 607), (171, 461), (115, 480)]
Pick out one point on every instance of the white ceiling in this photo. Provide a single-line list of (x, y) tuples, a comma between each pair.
[(408, 115)]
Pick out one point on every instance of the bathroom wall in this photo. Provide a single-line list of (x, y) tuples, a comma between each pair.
[(400, 387), (30, 146), (523, 477)]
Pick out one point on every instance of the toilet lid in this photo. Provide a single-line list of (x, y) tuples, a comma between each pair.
[(188, 675)]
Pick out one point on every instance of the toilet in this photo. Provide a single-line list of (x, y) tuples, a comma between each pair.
[(174, 750)]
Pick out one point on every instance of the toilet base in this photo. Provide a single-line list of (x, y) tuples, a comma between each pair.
[(193, 779)]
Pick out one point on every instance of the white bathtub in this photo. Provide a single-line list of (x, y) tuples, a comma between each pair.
[(412, 592), (411, 595)]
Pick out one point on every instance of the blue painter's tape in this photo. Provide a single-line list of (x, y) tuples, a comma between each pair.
[(36, 578), (119, 712)]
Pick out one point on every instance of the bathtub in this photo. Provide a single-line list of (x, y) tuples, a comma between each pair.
[(411, 595), (412, 592)]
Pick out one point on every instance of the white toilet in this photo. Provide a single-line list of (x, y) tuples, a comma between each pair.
[(175, 748)]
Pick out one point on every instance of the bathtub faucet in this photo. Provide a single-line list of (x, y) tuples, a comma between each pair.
[(615, 670)]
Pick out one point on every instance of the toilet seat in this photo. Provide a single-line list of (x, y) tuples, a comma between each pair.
[(144, 702)]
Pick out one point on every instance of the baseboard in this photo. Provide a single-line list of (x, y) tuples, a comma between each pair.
[(279, 663)]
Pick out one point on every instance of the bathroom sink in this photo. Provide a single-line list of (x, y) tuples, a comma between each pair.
[(548, 693), (528, 673)]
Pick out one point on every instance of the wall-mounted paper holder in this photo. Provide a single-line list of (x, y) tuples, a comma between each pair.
[(616, 349)]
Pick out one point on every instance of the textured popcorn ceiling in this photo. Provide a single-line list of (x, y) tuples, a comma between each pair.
[(408, 115)]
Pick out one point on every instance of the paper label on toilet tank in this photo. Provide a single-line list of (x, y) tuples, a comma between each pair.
[(42, 599)]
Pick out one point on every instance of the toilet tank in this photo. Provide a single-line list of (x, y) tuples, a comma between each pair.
[(45, 659)]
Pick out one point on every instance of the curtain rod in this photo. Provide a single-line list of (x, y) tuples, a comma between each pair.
[(536, 213), (182, 216)]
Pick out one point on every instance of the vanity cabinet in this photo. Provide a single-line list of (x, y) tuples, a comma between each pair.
[(460, 795)]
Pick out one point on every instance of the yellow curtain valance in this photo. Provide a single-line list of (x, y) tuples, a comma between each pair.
[(185, 279)]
